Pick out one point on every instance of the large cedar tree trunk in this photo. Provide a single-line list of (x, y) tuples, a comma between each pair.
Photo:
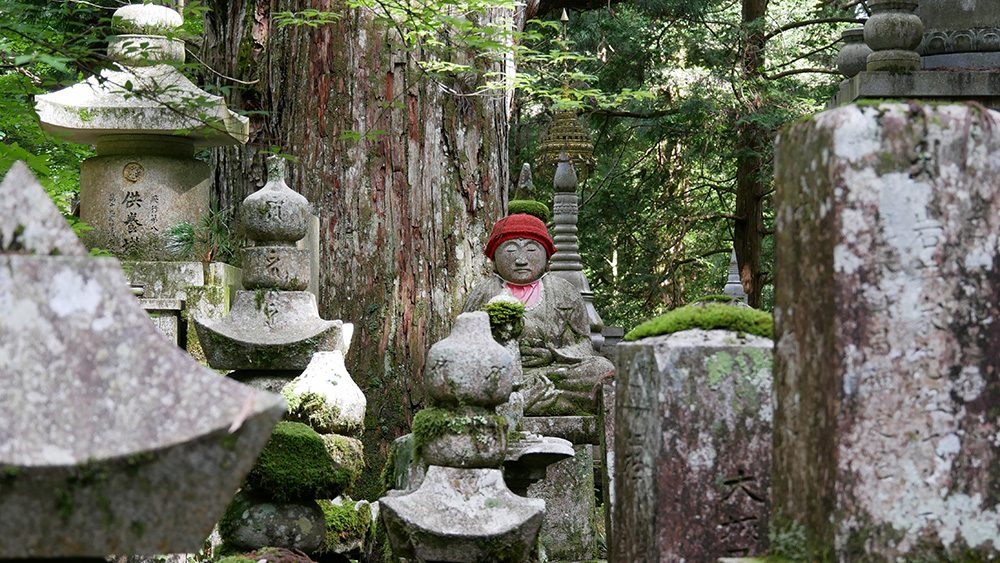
[(404, 210), (752, 141)]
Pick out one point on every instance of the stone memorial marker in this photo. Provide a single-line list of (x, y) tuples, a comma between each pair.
[(888, 324), (273, 323), (693, 425), (112, 440)]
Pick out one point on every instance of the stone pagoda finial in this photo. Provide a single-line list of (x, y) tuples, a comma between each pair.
[(112, 439), (273, 324), (734, 288), (853, 55), (463, 510), (525, 185), (566, 262), (275, 217)]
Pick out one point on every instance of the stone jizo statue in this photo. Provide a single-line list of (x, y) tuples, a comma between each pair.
[(560, 365)]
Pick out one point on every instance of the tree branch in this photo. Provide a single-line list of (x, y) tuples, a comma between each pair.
[(804, 23), (801, 71), (633, 114)]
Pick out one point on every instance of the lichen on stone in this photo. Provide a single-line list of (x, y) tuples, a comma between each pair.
[(707, 316)]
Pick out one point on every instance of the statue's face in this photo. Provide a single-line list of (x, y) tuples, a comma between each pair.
[(520, 261)]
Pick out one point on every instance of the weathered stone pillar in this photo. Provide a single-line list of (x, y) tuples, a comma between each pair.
[(463, 511), (693, 444), (888, 324)]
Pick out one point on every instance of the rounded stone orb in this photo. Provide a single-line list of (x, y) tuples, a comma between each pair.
[(275, 213), (469, 367), (146, 19)]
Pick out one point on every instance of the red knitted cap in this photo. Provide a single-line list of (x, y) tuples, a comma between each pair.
[(519, 225)]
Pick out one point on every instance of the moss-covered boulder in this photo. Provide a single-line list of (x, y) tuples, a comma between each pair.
[(250, 523), (298, 464), (708, 315), (348, 524)]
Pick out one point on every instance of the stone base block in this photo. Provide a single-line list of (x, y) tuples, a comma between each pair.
[(570, 502)]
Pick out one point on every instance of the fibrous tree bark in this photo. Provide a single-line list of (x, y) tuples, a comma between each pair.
[(752, 141), (406, 177)]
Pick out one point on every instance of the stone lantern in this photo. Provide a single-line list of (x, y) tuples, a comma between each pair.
[(146, 119)]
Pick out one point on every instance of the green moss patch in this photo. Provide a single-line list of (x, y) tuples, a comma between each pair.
[(345, 522), (504, 312), (432, 423), (529, 206), (707, 316), (299, 464), (506, 319), (717, 298)]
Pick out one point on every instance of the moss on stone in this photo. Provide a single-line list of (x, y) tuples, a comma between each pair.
[(298, 464), (237, 559), (707, 316), (717, 298), (310, 408), (344, 522), (432, 423), (504, 312), (506, 319), (347, 455), (388, 475), (529, 206), (231, 517)]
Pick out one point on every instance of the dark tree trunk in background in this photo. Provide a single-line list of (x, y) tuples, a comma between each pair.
[(404, 210), (752, 142)]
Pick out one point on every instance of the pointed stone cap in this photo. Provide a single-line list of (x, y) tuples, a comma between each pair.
[(112, 439), (524, 184), (275, 213), (565, 178), (734, 288), (32, 223)]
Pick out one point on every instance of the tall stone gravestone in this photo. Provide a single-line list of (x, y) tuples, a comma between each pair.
[(887, 311), (693, 444), (273, 338), (112, 440)]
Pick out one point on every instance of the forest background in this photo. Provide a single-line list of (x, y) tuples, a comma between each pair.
[(407, 123)]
